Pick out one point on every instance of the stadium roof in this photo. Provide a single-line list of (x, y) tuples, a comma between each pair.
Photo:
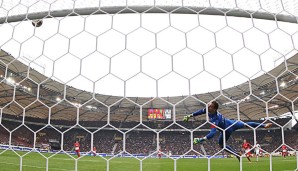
[(38, 96)]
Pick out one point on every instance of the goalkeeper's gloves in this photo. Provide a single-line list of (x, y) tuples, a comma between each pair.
[(186, 118), (199, 140)]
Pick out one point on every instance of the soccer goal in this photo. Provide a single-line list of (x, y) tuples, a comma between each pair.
[(109, 84)]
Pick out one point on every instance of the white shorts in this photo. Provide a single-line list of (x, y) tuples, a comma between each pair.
[(77, 148)]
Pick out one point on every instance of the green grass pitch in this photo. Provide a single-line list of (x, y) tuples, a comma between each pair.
[(10, 161)]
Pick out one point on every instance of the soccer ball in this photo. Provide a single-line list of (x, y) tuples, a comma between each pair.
[(37, 23)]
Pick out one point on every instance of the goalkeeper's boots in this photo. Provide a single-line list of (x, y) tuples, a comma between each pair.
[(198, 140), (268, 125), (186, 118)]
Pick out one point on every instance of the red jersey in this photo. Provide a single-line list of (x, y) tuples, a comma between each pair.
[(159, 154), (246, 146), (77, 146), (284, 151)]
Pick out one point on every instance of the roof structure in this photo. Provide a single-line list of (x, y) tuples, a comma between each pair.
[(26, 92)]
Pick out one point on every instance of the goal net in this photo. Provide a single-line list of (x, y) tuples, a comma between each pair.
[(119, 76)]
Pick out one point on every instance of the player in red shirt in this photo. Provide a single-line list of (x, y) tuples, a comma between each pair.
[(159, 154), (94, 151), (247, 148), (77, 148), (284, 151)]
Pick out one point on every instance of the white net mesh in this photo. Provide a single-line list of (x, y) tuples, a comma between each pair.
[(121, 75)]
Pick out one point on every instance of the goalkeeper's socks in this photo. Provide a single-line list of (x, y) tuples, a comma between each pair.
[(231, 150), (238, 157)]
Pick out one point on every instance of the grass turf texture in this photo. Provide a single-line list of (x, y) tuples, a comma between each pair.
[(10, 161)]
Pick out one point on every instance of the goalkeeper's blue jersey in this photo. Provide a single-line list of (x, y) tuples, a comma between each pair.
[(216, 119)]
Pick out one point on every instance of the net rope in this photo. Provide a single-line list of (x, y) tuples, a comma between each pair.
[(15, 38)]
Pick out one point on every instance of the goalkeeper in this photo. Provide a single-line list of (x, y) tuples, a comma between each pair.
[(218, 120)]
